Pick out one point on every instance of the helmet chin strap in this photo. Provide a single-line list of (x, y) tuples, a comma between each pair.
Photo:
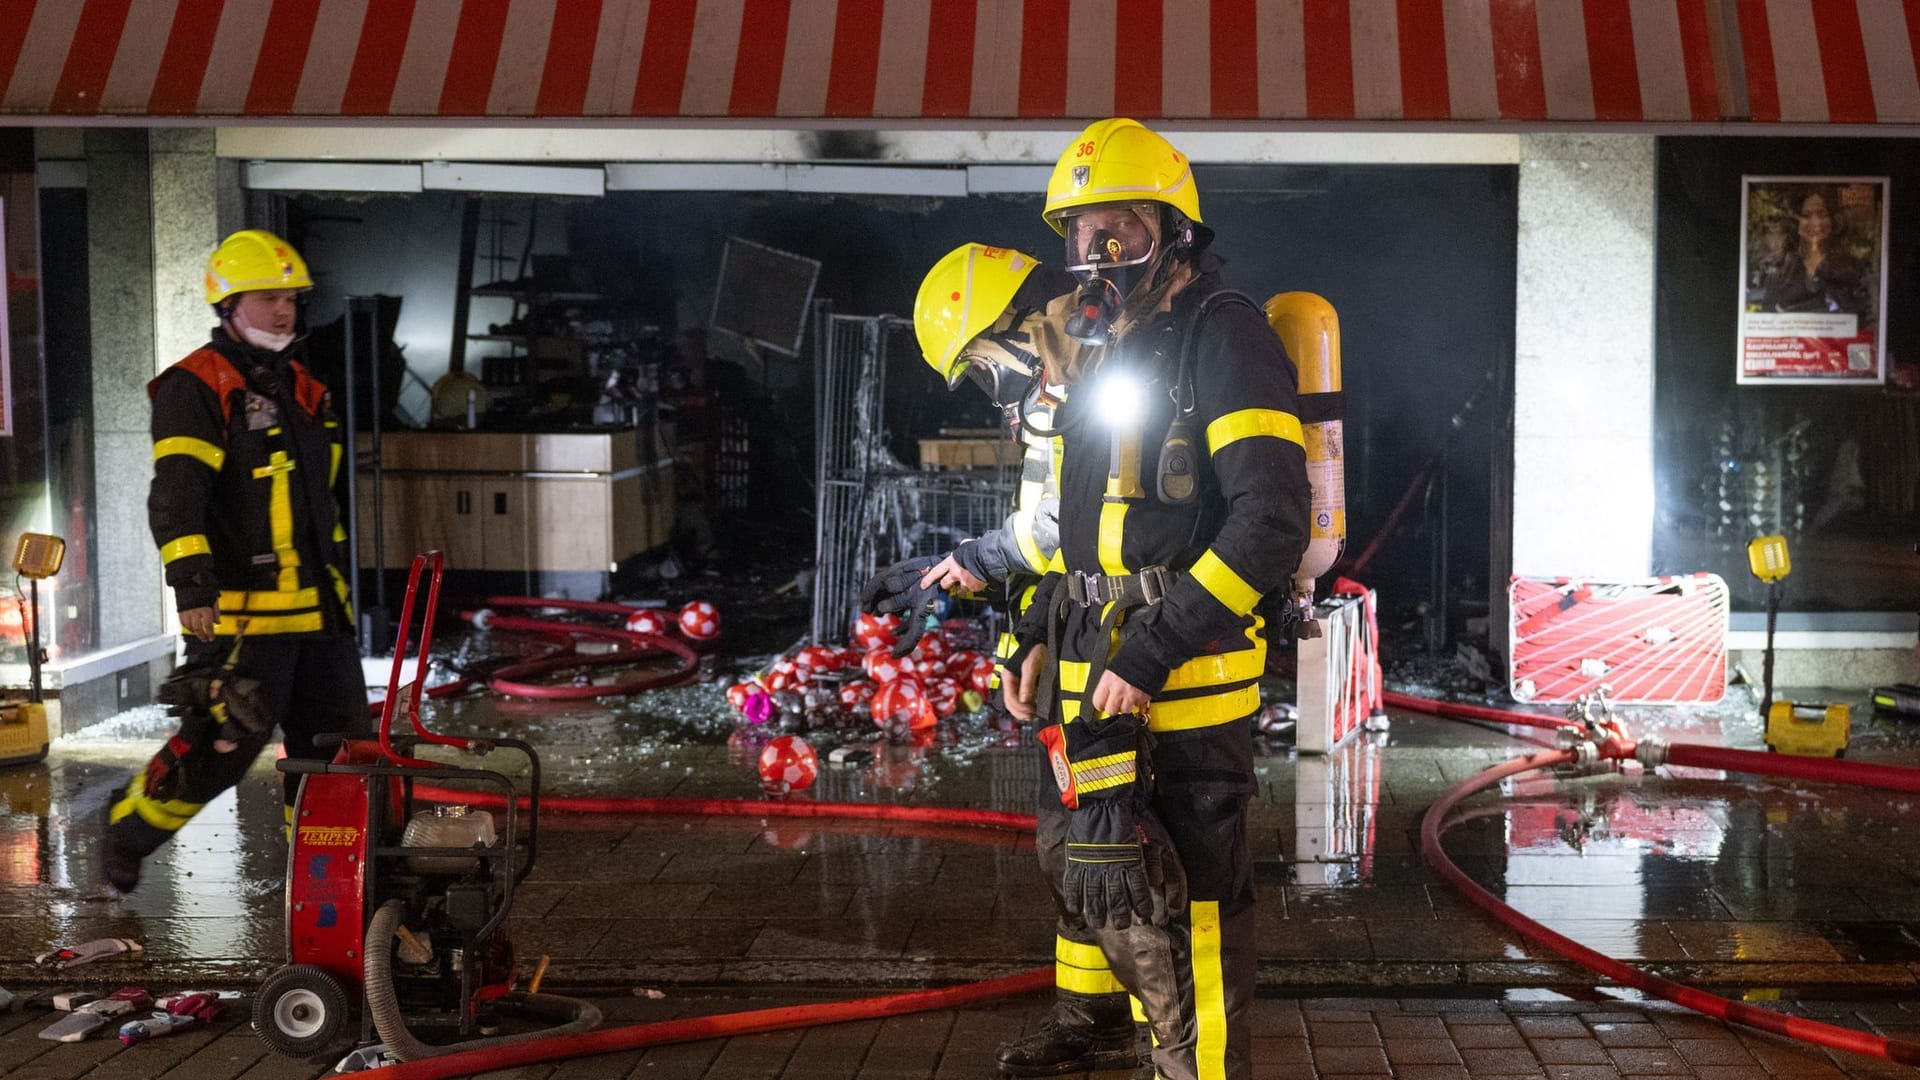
[(253, 335)]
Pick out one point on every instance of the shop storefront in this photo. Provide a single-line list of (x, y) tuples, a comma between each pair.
[(1529, 217)]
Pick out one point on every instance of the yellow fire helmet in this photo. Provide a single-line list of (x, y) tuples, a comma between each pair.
[(1120, 160), (965, 292), (254, 260)]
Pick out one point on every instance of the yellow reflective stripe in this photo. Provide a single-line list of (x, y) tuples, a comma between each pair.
[(1113, 519), (308, 623), (199, 450), (1219, 669), (333, 469), (1247, 423), (1073, 676), (1198, 712), (165, 814), (236, 602), (1102, 783), (339, 534), (1023, 539), (280, 516), (1058, 563), (1085, 957), (1080, 981), (1223, 584), (184, 546), (1209, 991), (343, 591), (1139, 1013)]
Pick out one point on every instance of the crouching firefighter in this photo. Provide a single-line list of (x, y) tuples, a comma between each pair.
[(978, 317), (1183, 500), (245, 454)]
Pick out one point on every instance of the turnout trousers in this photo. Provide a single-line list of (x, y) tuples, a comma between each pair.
[(312, 685), (1193, 979)]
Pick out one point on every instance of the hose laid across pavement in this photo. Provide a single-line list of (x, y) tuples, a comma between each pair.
[(1739, 1012)]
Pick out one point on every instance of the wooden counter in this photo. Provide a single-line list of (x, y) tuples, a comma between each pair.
[(547, 503)]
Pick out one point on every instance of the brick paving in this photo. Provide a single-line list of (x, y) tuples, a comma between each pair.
[(1538, 1035)]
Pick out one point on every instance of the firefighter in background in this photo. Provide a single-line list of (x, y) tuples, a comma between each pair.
[(1183, 499), (977, 318), (245, 453)]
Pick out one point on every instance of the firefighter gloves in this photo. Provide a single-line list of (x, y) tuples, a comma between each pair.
[(896, 590)]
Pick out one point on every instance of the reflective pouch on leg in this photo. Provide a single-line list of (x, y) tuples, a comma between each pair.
[(1116, 849)]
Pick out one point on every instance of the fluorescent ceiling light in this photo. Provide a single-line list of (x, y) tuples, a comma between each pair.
[(649, 176), (512, 179), (876, 180), (329, 176)]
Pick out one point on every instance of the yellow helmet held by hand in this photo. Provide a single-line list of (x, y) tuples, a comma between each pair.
[(254, 260), (963, 295), (1120, 160)]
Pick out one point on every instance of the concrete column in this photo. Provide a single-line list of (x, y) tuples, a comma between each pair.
[(151, 200), (1583, 356)]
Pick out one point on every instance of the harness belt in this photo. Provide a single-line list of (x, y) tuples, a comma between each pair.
[(1127, 590)]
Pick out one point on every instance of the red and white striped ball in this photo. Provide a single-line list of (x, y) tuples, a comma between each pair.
[(980, 676), (650, 621), (945, 695), (700, 621), (872, 631), (738, 693), (818, 658), (788, 764), (903, 704), (883, 667), (857, 692), (931, 647)]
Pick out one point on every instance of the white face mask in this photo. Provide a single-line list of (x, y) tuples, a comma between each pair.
[(258, 338)]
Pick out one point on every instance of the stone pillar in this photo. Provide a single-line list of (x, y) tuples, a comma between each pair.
[(151, 202), (1583, 356)]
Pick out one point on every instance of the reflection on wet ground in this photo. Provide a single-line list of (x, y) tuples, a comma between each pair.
[(1746, 883)]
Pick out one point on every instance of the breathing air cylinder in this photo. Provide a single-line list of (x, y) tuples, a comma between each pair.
[(1310, 330)]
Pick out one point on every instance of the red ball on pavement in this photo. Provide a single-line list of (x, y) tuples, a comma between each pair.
[(980, 676), (738, 693), (817, 658), (945, 695), (883, 667), (788, 764), (650, 621), (872, 631), (903, 704), (857, 692), (700, 621)]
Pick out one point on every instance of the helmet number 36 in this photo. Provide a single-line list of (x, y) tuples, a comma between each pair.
[(1086, 149)]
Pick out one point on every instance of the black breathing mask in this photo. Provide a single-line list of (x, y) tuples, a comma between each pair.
[(1103, 290)]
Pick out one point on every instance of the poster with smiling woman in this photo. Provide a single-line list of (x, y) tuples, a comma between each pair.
[(1813, 289)]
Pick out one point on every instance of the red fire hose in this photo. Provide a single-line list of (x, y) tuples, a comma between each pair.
[(1477, 712), (1738, 1012), (582, 804), (636, 1036), (1828, 770), (634, 647)]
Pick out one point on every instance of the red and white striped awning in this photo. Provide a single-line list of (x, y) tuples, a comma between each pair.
[(1502, 61)]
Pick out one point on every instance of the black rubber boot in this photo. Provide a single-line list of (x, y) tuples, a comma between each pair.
[(119, 868), (1083, 1032)]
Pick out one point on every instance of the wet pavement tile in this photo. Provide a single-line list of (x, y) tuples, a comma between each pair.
[(1757, 941)]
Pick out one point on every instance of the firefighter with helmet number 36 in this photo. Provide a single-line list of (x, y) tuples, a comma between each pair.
[(246, 452), (1183, 500)]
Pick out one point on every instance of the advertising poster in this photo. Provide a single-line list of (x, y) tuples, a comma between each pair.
[(1813, 259)]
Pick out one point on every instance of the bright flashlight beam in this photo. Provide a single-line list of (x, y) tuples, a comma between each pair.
[(1120, 400)]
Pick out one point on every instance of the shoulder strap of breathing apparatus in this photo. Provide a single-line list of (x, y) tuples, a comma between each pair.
[(1177, 476)]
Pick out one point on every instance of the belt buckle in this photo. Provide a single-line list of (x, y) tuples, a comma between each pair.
[(1091, 588), (1153, 584)]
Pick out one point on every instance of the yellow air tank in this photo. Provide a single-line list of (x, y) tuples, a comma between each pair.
[(1310, 330)]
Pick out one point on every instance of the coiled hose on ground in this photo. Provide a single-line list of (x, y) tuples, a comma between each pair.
[(383, 1003)]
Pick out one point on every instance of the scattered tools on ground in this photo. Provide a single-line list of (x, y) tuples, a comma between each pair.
[(176, 1013), (94, 1015), (1808, 729), (86, 952)]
